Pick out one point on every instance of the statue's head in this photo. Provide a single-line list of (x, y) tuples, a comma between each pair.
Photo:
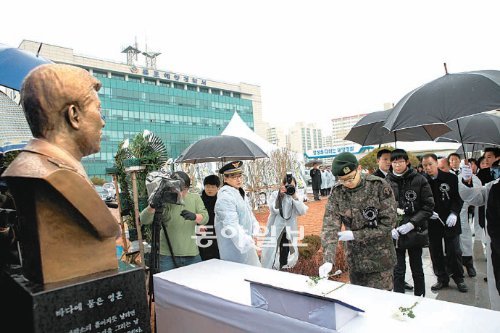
[(61, 101)]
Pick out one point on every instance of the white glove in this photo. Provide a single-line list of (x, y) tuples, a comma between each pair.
[(395, 234), (345, 235), (451, 220), (325, 269), (406, 228), (466, 172), (434, 216)]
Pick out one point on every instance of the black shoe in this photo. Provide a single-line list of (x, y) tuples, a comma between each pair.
[(408, 286), (462, 287), (471, 271), (439, 286)]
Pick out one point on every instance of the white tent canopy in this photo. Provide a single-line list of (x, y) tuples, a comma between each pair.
[(237, 127)]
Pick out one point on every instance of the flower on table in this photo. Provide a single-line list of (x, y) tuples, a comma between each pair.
[(312, 281), (403, 313)]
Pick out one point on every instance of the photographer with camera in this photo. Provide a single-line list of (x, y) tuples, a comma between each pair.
[(178, 239), (280, 245)]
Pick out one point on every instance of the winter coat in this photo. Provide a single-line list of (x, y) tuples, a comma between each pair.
[(208, 247), (414, 195), (369, 211), (326, 179), (379, 173), (489, 194), (446, 201), (315, 178), (276, 224), (235, 226)]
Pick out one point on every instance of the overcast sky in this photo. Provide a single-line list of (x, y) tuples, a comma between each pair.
[(314, 60)]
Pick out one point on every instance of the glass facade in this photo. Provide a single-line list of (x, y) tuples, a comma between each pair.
[(180, 114)]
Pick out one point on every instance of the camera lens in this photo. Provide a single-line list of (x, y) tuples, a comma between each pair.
[(290, 189)]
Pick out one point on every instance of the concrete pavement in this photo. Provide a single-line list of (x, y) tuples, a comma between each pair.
[(478, 288)]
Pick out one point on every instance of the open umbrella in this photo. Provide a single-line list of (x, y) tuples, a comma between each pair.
[(481, 128), (369, 130), (449, 97), (471, 148), (15, 64), (311, 163), (221, 148), (14, 129)]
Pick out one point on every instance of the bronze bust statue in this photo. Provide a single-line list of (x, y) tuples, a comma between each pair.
[(66, 230)]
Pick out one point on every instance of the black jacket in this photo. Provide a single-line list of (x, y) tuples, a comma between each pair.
[(447, 200), (485, 176), (414, 195), (493, 216), (212, 251), (379, 173), (315, 178)]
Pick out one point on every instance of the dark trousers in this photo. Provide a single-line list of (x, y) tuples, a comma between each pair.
[(284, 249), (453, 258), (316, 193), (417, 271)]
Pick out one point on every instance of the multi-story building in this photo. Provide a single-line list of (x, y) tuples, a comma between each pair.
[(341, 127), (327, 142), (303, 137), (277, 136), (179, 108)]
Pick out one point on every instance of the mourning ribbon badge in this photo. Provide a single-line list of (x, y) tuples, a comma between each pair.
[(370, 214), (444, 188)]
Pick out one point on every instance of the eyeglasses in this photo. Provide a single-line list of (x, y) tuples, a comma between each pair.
[(348, 180), (399, 162)]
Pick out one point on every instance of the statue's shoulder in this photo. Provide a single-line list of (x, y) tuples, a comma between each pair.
[(32, 165)]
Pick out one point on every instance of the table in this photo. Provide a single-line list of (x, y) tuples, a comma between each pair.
[(213, 296)]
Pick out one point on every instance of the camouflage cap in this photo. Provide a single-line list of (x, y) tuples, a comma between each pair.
[(343, 164)]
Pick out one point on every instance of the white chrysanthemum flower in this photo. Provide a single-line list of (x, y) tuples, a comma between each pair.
[(398, 315), (311, 283), (400, 211)]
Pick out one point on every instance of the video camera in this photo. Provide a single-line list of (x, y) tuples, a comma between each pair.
[(164, 188), (290, 189)]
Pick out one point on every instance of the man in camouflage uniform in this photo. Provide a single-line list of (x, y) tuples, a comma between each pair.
[(365, 206)]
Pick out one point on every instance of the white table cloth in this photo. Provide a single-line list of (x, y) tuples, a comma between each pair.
[(213, 296)]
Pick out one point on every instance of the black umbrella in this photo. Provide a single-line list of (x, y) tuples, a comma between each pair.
[(369, 130), (449, 97), (221, 148), (311, 163), (470, 147), (481, 128)]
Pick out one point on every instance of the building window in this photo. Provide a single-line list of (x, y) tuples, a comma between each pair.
[(236, 95), (204, 90), (215, 92), (191, 88), (178, 86), (150, 82), (134, 79), (226, 93), (100, 74), (118, 76)]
